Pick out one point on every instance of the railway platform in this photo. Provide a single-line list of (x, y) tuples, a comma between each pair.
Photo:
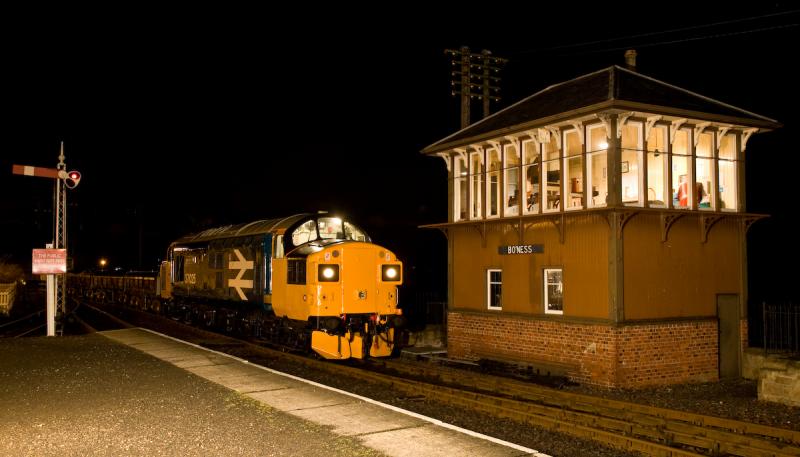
[(136, 392)]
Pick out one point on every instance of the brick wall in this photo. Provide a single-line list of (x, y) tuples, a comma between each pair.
[(597, 354)]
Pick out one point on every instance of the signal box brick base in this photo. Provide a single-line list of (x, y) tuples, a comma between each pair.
[(630, 355)]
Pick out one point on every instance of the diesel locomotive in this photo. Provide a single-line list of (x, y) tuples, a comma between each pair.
[(309, 281)]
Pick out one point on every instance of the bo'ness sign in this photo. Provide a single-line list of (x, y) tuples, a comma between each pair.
[(521, 249)]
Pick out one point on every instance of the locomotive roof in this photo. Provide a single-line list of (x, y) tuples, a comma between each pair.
[(250, 228)]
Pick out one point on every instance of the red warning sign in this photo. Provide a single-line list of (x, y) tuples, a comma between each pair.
[(49, 261)]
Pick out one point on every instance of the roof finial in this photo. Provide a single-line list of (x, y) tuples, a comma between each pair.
[(630, 59)]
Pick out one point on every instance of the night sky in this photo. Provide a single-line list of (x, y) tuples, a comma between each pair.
[(184, 120)]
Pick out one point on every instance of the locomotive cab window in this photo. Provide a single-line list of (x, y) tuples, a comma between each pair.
[(354, 233), (323, 228), (305, 233), (330, 228)]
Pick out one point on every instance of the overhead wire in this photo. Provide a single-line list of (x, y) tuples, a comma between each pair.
[(667, 32), (706, 37)]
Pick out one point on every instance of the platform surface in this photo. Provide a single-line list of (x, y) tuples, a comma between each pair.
[(135, 392)]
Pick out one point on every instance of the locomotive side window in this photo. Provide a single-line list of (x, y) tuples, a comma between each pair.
[(179, 268), (215, 261), (279, 247), (305, 233), (296, 271)]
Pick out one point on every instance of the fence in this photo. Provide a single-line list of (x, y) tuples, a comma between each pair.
[(431, 307), (781, 328), (7, 293)]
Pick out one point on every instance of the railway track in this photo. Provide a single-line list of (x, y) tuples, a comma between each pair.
[(27, 325), (621, 425), (526, 402)]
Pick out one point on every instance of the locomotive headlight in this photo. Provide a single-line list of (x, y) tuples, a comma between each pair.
[(390, 272), (328, 273)]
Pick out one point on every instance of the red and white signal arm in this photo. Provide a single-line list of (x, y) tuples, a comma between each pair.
[(49, 261)]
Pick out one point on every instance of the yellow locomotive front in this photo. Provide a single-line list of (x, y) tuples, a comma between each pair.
[(342, 285)]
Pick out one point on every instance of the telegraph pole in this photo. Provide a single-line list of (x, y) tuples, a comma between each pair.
[(477, 77)]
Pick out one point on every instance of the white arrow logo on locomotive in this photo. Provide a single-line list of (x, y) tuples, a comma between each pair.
[(242, 265)]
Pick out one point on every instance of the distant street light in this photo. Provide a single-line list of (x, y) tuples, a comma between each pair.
[(103, 263)]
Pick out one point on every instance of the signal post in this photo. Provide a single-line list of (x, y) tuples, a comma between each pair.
[(49, 261)]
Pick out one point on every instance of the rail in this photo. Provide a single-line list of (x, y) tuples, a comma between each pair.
[(622, 425)]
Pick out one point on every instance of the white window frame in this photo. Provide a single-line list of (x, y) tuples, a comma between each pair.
[(640, 178), (460, 180), (489, 285), (537, 207), (475, 210), (546, 300), (712, 161), (488, 184), (734, 162), (592, 156), (566, 176), (511, 150), (663, 156), (688, 156)]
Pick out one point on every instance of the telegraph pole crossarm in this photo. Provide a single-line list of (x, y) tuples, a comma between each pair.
[(472, 77)]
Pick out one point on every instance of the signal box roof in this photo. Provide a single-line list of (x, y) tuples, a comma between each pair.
[(613, 88)]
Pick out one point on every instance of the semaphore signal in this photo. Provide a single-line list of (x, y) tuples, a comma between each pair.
[(56, 284)]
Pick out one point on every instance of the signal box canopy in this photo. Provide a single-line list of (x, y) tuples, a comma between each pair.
[(608, 89)]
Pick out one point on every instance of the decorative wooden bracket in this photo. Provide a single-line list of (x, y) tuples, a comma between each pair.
[(578, 126), (462, 152), (746, 134), (621, 218), (606, 120), (558, 222), (536, 136), (747, 221), (706, 222), (698, 129), (622, 119), (667, 219), (446, 158), (651, 121), (478, 151), (554, 131), (481, 228), (519, 226), (721, 133), (674, 127)]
